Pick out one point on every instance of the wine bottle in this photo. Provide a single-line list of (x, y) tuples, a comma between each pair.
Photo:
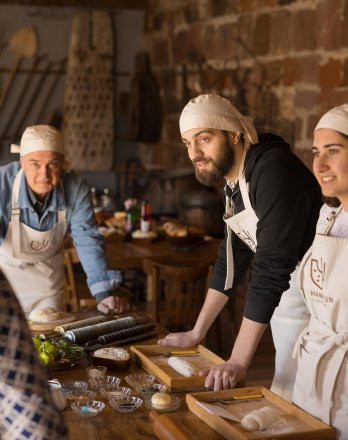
[(145, 216)]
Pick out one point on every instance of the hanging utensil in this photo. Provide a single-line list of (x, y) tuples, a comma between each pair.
[(21, 95), (24, 45), (33, 97)]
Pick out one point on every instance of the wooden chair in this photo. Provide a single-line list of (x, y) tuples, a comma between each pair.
[(177, 291), (77, 297)]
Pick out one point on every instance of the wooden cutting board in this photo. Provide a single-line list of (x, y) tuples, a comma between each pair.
[(88, 120), (152, 360), (294, 423)]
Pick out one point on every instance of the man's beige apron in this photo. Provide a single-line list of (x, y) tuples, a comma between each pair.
[(32, 260), (321, 386), (290, 317)]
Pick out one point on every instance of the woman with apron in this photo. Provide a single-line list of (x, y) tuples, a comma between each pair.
[(272, 206), (321, 386)]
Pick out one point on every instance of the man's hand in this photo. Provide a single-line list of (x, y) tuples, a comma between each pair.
[(224, 376), (183, 339), (118, 304)]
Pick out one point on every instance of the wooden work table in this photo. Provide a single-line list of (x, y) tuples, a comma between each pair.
[(130, 255), (137, 425)]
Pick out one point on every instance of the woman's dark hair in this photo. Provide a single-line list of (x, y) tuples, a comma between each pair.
[(333, 201)]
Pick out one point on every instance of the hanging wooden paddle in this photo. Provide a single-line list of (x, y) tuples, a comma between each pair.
[(24, 45)]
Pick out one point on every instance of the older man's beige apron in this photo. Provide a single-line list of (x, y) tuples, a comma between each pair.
[(32, 260), (321, 386), (290, 317)]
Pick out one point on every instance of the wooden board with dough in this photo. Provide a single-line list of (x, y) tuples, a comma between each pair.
[(291, 422), (154, 360), (42, 326)]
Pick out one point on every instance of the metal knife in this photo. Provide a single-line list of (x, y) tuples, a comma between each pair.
[(174, 353)]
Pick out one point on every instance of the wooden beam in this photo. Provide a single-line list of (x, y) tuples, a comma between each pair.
[(110, 4)]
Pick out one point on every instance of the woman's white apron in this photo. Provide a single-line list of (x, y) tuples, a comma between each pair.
[(290, 317), (32, 260), (321, 386)]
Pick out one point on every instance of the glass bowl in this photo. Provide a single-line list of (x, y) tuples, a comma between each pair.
[(73, 385), (104, 381), (109, 392), (138, 380), (126, 403), (90, 408), (81, 395), (174, 405), (149, 390)]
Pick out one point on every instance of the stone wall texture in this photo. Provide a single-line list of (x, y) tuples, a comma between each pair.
[(283, 62)]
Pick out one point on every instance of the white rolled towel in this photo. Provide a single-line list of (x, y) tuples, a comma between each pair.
[(260, 419)]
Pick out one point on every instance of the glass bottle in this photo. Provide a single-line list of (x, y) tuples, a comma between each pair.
[(105, 200), (94, 197), (145, 216)]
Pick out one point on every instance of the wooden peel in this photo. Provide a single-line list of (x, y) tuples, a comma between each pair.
[(24, 45)]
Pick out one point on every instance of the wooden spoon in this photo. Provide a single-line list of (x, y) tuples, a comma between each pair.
[(24, 45)]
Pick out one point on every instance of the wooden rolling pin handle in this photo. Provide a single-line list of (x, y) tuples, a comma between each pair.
[(166, 429)]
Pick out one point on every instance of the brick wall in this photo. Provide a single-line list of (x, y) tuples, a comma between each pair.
[(283, 62)]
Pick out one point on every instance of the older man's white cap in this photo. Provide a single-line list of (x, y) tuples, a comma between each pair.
[(39, 138), (215, 111), (336, 119)]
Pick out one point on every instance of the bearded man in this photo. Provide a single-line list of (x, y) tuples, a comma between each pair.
[(272, 206)]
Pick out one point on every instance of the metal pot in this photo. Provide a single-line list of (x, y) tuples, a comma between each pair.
[(203, 209)]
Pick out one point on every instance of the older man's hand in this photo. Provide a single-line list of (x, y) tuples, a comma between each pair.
[(111, 304)]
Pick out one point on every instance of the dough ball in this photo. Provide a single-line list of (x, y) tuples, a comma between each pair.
[(161, 401), (249, 423)]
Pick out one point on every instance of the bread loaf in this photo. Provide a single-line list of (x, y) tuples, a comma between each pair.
[(48, 314), (161, 401)]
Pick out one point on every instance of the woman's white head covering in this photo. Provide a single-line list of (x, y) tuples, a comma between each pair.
[(336, 119), (40, 138), (215, 111)]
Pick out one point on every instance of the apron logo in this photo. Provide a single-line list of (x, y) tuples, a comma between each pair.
[(39, 246), (248, 239), (318, 272)]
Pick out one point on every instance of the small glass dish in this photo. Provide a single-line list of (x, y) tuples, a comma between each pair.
[(90, 408), (126, 403), (174, 405), (138, 380), (149, 390), (73, 385), (104, 381), (81, 395), (109, 392), (95, 371)]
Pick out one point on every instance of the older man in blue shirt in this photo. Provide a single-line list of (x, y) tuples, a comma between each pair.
[(41, 200)]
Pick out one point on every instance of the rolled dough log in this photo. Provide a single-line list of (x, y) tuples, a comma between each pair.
[(260, 419)]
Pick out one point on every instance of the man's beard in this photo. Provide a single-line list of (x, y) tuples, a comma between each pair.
[(220, 167)]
